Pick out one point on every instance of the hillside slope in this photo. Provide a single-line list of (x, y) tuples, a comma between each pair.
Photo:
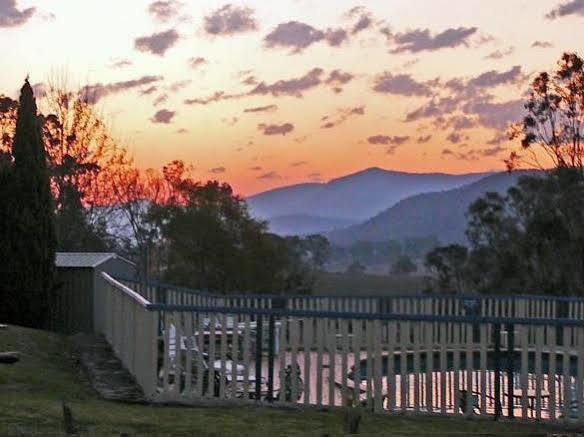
[(439, 213)]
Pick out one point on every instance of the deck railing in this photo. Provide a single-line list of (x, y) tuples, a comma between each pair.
[(530, 306), (417, 358)]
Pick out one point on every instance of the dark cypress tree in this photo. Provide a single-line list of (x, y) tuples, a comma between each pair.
[(34, 242)]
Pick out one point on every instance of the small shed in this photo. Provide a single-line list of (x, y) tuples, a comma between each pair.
[(79, 298)]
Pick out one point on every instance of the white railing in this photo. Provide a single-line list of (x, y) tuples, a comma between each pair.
[(415, 359), (132, 331)]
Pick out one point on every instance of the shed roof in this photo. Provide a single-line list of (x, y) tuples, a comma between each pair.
[(85, 259)]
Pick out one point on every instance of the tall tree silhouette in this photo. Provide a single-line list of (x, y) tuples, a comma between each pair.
[(34, 232)]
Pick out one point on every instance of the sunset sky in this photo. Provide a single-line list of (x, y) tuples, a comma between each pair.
[(269, 93)]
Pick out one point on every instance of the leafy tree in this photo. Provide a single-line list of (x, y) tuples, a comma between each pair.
[(31, 236), (554, 120), (319, 250), (447, 264), (211, 242), (403, 266)]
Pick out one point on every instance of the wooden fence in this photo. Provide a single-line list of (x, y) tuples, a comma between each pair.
[(530, 306), (430, 357)]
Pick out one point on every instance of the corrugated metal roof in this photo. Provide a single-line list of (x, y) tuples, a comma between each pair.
[(84, 259)]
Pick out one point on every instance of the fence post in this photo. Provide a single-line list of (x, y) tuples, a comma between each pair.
[(272, 329), (510, 369), (497, 344), (258, 357)]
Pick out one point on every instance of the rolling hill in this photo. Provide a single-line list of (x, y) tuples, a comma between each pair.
[(438, 213), (355, 197)]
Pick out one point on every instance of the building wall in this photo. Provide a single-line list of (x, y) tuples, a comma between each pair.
[(74, 300), (79, 301)]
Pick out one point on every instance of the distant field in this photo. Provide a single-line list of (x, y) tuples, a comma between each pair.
[(357, 284), (31, 392)]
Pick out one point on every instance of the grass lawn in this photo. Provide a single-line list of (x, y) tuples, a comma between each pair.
[(31, 392), (367, 284)]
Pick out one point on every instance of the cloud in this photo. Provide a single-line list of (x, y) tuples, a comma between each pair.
[(298, 163), (423, 139), (401, 84), (498, 138), (498, 54), (285, 87), (434, 108), (344, 114), (335, 37), (267, 108), (458, 122), (542, 44), (217, 170), (571, 7), (164, 10), (160, 99), (294, 35), (157, 43), (454, 137), (364, 22), (492, 151), (96, 92), (230, 20), (215, 97), (271, 175), (119, 63), (336, 78), (177, 86), (291, 87), (11, 16), (276, 129), (196, 62), (386, 140), (494, 78), (297, 36), (418, 40), (163, 116), (148, 91), (256, 168), (181, 131), (495, 115)]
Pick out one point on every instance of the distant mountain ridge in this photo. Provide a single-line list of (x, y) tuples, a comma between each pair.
[(436, 213), (355, 197)]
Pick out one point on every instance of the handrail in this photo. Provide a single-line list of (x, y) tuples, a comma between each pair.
[(476, 296), (367, 316), (128, 291)]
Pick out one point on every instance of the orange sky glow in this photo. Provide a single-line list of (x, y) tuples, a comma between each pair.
[(263, 94)]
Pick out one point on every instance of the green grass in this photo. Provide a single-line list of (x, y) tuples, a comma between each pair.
[(363, 284), (31, 392)]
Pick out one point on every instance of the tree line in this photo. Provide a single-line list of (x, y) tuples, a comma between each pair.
[(67, 185)]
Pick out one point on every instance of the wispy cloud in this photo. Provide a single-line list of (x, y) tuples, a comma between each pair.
[(418, 40), (157, 43), (276, 129), (571, 7), (97, 91), (229, 20), (163, 116), (267, 108), (11, 16)]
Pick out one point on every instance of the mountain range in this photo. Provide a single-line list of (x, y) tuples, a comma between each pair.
[(442, 214), (377, 205), (352, 198)]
